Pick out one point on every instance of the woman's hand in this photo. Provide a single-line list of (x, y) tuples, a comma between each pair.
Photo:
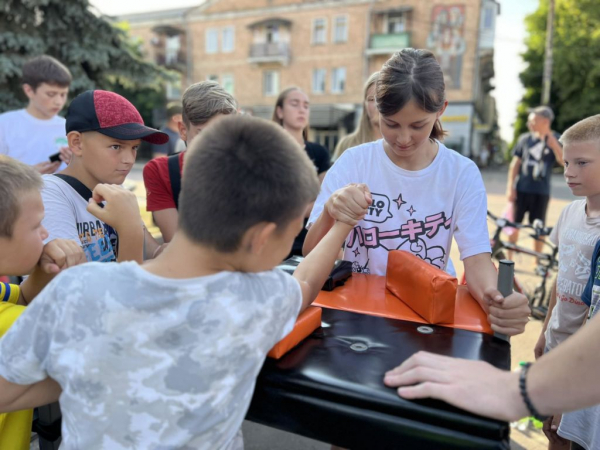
[(349, 204)]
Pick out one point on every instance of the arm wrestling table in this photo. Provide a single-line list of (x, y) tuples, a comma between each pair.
[(330, 387)]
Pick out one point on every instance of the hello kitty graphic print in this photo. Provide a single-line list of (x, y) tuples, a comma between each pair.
[(416, 211)]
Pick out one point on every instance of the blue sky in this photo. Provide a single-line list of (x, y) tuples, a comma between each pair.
[(510, 33)]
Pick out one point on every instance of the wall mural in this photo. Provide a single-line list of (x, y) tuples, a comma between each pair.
[(447, 41)]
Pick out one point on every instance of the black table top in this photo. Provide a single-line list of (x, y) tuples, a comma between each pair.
[(330, 387)]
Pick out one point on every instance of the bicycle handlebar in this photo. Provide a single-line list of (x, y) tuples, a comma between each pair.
[(502, 222)]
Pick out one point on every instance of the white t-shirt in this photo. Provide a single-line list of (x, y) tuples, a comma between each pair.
[(417, 211), (147, 362), (66, 217), (576, 235), (31, 140)]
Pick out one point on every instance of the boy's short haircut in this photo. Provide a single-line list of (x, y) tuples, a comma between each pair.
[(586, 130), (202, 101), (16, 179), (240, 172), (46, 69), (173, 109)]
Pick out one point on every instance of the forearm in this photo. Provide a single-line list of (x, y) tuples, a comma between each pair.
[(33, 285), (480, 274), (572, 366), (131, 245), (315, 268), (150, 244), (166, 220), (38, 394), (513, 170), (556, 149), (551, 306), (317, 231)]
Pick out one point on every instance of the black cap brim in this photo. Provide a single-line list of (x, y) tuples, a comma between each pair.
[(131, 131)]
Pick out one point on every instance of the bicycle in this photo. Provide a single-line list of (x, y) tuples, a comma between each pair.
[(539, 299)]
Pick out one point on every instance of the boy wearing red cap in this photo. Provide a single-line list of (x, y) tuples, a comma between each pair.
[(85, 202)]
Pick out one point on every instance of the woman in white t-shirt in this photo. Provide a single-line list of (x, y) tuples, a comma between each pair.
[(418, 193)]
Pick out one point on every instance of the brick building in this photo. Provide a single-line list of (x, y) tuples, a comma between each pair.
[(256, 48)]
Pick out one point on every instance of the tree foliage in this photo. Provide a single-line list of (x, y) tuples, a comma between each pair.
[(98, 54), (575, 90)]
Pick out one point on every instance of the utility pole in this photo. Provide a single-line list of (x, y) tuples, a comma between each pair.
[(547, 80)]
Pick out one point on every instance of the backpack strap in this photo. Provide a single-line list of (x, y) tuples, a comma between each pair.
[(175, 177), (81, 188)]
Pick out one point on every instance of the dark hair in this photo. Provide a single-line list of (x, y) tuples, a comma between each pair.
[(204, 100), (412, 75), (17, 178), (240, 172), (46, 69), (173, 109), (279, 104)]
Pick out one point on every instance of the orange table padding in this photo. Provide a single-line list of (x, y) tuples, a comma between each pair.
[(307, 322), (367, 294), (411, 279)]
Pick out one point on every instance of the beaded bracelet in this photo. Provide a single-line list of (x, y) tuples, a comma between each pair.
[(523, 388), (9, 293)]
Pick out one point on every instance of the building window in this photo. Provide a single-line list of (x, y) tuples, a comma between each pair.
[(227, 83), (172, 47), (228, 39), (213, 78), (340, 29), (212, 40), (396, 23), (488, 18), (272, 34), (338, 80), (319, 33), (173, 89), (270, 82), (318, 81)]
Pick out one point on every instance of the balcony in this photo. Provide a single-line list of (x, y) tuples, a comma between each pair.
[(171, 60), (384, 44), (270, 52)]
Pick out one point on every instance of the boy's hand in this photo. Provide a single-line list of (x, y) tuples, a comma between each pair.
[(507, 315), (550, 429), (121, 210), (540, 346), (65, 154), (60, 254), (349, 204), (47, 167)]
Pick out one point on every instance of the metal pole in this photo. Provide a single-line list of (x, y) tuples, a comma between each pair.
[(547, 81)]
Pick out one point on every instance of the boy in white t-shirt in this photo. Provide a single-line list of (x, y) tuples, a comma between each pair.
[(166, 355), (576, 233), (33, 134), (423, 193)]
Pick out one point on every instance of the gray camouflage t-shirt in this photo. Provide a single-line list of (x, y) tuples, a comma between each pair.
[(150, 362)]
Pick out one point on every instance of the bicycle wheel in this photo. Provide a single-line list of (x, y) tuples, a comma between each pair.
[(538, 302)]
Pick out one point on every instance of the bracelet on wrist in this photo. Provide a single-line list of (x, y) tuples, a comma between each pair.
[(525, 396)]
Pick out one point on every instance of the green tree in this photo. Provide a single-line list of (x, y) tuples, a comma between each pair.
[(575, 90), (99, 54)]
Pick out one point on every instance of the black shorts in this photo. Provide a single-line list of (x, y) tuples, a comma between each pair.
[(534, 204)]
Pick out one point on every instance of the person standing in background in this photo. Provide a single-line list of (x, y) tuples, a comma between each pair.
[(171, 128), (292, 112), (368, 126), (33, 134)]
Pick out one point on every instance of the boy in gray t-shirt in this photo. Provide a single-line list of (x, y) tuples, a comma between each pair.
[(576, 234), (166, 355)]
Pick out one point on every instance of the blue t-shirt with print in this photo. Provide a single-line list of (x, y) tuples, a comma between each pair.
[(537, 160)]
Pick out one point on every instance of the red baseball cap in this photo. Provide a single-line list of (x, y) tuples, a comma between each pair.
[(112, 115)]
